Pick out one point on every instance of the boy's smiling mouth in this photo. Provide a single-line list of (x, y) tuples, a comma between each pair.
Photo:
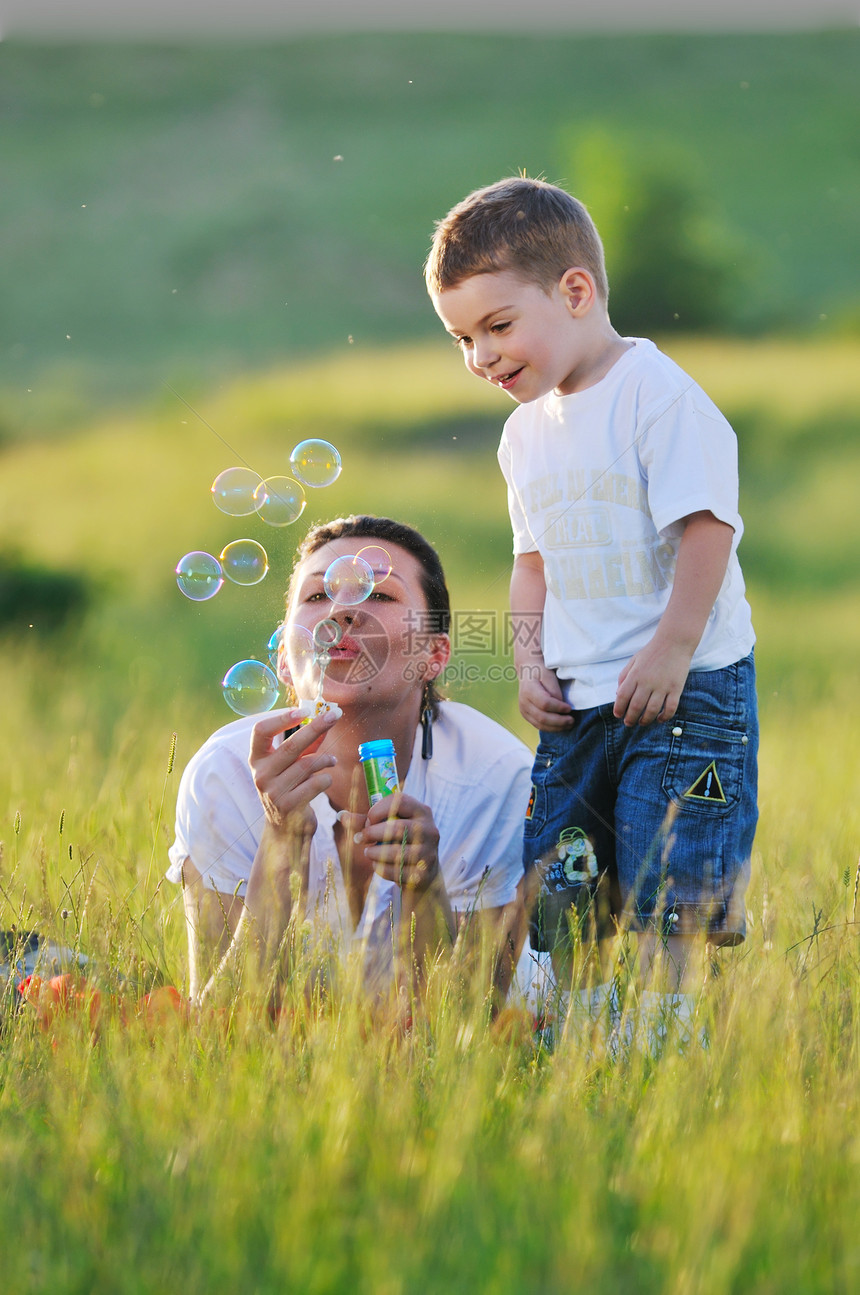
[(506, 380)]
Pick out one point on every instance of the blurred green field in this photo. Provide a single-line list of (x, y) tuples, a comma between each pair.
[(188, 211), (124, 499), (121, 501), (315, 1157)]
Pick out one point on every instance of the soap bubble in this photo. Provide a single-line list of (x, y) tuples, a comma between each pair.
[(369, 649), (279, 501), (315, 463), (378, 559), (301, 661), (273, 646), (245, 562), (348, 580), (233, 491), (199, 576), (250, 687)]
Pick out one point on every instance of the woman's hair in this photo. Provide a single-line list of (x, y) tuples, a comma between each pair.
[(528, 227), (382, 529)]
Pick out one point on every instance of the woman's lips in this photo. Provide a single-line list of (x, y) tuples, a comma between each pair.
[(347, 649)]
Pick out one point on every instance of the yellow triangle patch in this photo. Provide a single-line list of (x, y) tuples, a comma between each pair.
[(707, 786)]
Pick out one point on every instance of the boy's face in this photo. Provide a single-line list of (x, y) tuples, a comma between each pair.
[(517, 336)]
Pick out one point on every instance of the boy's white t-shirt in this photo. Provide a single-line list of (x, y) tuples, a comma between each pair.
[(598, 484)]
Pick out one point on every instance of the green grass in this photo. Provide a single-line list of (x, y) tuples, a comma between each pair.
[(317, 1157), (454, 1160)]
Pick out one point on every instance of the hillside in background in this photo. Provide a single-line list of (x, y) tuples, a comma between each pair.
[(115, 506), (180, 212)]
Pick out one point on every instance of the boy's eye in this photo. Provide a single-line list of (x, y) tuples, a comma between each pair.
[(461, 342), (501, 326)]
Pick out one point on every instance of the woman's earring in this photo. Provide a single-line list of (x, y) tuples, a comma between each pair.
[(426, 724)]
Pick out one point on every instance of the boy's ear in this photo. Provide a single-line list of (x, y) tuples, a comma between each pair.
[(577, 288)]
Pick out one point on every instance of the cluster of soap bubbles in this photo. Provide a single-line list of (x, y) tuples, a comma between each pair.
[(252, 686), (278, 501)]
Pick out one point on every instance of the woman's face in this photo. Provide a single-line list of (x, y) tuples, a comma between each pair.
[(386, 651)]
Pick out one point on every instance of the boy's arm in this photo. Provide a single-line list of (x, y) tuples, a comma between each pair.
[(541, 700), (649, 686)]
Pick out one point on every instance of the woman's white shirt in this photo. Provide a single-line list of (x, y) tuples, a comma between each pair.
[(476, 785)]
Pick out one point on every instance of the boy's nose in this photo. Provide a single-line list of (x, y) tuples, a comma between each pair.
[(484, 354)]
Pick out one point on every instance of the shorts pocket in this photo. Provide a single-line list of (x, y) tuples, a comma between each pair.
[(705, 768), (544, 774)]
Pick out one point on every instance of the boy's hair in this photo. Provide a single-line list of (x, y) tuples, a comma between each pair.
[(528, 227)]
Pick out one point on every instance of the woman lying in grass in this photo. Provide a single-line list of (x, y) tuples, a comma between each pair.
[(287, 870)]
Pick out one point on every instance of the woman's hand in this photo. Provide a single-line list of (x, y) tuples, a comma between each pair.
[(287, 778), (401, 840), (290, 775)]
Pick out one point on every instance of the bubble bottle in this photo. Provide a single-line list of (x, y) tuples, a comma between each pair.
[(380, 769)]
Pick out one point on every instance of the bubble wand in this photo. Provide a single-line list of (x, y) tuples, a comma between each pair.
[(327, 634)]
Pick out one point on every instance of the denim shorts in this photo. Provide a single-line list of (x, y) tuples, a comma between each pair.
[(651, 826)]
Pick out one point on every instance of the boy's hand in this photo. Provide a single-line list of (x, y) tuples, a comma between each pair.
[(650, 685), (542, 702)]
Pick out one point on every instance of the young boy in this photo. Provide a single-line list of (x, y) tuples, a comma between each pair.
[(632, 634)]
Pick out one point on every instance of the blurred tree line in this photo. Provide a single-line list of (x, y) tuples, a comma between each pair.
[(674, 263), (39, 598)]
